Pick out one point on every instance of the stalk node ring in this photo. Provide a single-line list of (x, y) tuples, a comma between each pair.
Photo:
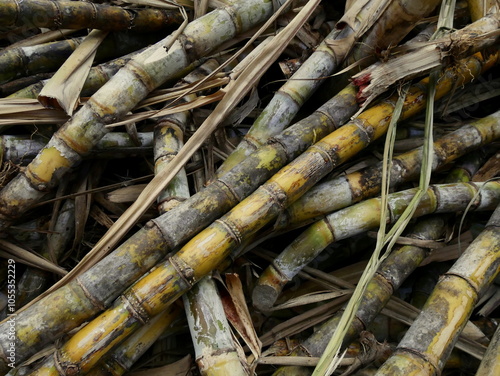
[(184, 271), (133, 305)]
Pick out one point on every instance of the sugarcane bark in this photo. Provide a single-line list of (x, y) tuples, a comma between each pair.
[(428, 343), (213, 344), (490, 365), (79, 15)]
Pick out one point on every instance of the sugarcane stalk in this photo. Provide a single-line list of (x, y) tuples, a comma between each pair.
[(47, 57), (479, 8), (490, 365), (210, 247), (85, 296), (288, 100), (123, 357), (213, 343), (343, 191), (97, 77), (388, 278), (22, 149), (80, 15), (346, 223), (132, 83), (426, 346)]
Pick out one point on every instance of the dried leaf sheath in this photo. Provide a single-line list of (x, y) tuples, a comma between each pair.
[(428, 343), (131, 84), (79, 15), (349, 222), (209, 248)]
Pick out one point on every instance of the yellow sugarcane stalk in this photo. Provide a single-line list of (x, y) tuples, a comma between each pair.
[(79, 15), (122, 358), (155, 291), (426, 346), (132, 83)]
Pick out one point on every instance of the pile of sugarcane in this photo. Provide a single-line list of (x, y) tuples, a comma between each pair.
[(241, 187)]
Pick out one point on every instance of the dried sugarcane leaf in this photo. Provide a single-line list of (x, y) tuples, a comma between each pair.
[(314, 297), (63, 89), (164, 4), (238, 314), (48, 36), (127, 194), (490, 169), (180, 368), (9, 250)]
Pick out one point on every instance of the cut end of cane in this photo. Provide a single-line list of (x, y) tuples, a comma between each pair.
[(263, 297), (362, 82)]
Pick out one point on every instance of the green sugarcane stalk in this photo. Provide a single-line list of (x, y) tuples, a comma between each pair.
[(48, 57), (213, 343), (490, 365), (329, 55), (426, 346), (209, 248), (132, 83), (88, 294), (342, 191), (80, 15), (22, 149), (349, 222)]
